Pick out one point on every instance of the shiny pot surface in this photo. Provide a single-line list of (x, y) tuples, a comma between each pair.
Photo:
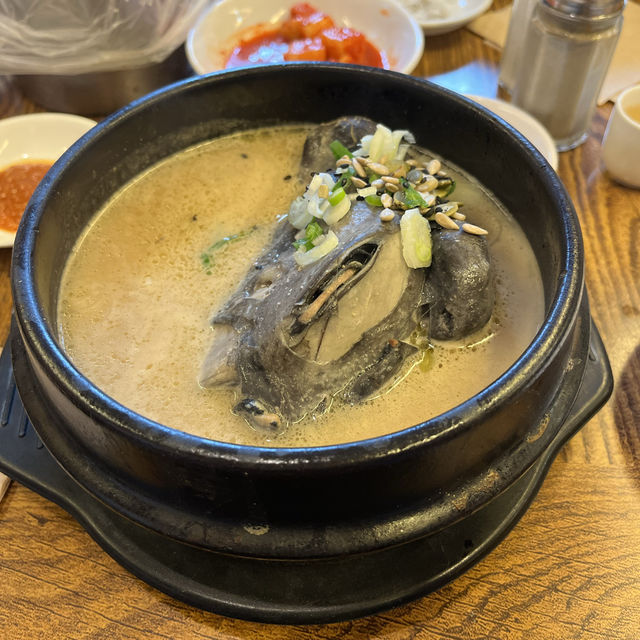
[(306, 503)]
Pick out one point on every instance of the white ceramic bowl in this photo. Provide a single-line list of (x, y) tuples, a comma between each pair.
[(527, 125), (441, 16), (37, 136), (383, 22)]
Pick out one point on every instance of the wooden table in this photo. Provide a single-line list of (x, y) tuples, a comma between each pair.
[(569, 570)]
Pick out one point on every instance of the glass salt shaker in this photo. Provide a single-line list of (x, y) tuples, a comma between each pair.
[(520, 15), (567, 50)]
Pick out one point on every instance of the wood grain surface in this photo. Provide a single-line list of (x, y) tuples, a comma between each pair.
[(569, 570)]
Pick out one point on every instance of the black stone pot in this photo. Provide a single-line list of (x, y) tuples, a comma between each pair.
[(324, 506)]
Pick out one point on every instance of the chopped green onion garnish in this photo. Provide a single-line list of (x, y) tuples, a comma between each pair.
[(312, 231), (374, 201), (366, 191), (344, 180), (328, 244), (336, 196), (445, 190), (415, 234), (339, 150), (206, 257), (413, 199), (337, 212)]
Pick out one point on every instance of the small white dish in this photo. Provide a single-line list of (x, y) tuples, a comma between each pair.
[(621, 142), (526, 124), (37, 136), (442, 16), (384, 23)]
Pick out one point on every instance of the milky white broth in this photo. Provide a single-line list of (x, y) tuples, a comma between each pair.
[(136, 303)]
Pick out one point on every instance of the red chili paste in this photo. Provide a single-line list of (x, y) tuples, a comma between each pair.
[(307, 35), (17, 184)]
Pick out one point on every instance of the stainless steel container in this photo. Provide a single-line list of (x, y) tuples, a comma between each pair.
[(102, 92)]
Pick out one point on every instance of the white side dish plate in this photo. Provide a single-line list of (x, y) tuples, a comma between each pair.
[(526, 124), (384, 23), (442, 16), (37, 136)]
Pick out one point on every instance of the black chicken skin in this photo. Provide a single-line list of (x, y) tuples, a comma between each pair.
[(293, 339)]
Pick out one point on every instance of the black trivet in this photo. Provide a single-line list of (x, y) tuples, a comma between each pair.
[(284, 591)]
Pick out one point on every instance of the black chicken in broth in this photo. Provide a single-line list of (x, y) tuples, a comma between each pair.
[(163, 256), (372, 262)]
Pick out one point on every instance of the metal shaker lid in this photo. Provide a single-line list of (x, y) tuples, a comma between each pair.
[(593, 9)]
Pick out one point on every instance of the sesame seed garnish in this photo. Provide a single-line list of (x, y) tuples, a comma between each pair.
[(378, 168), (358, 182), (358, 168), (434, 166), (445, 221), (474, 230)]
